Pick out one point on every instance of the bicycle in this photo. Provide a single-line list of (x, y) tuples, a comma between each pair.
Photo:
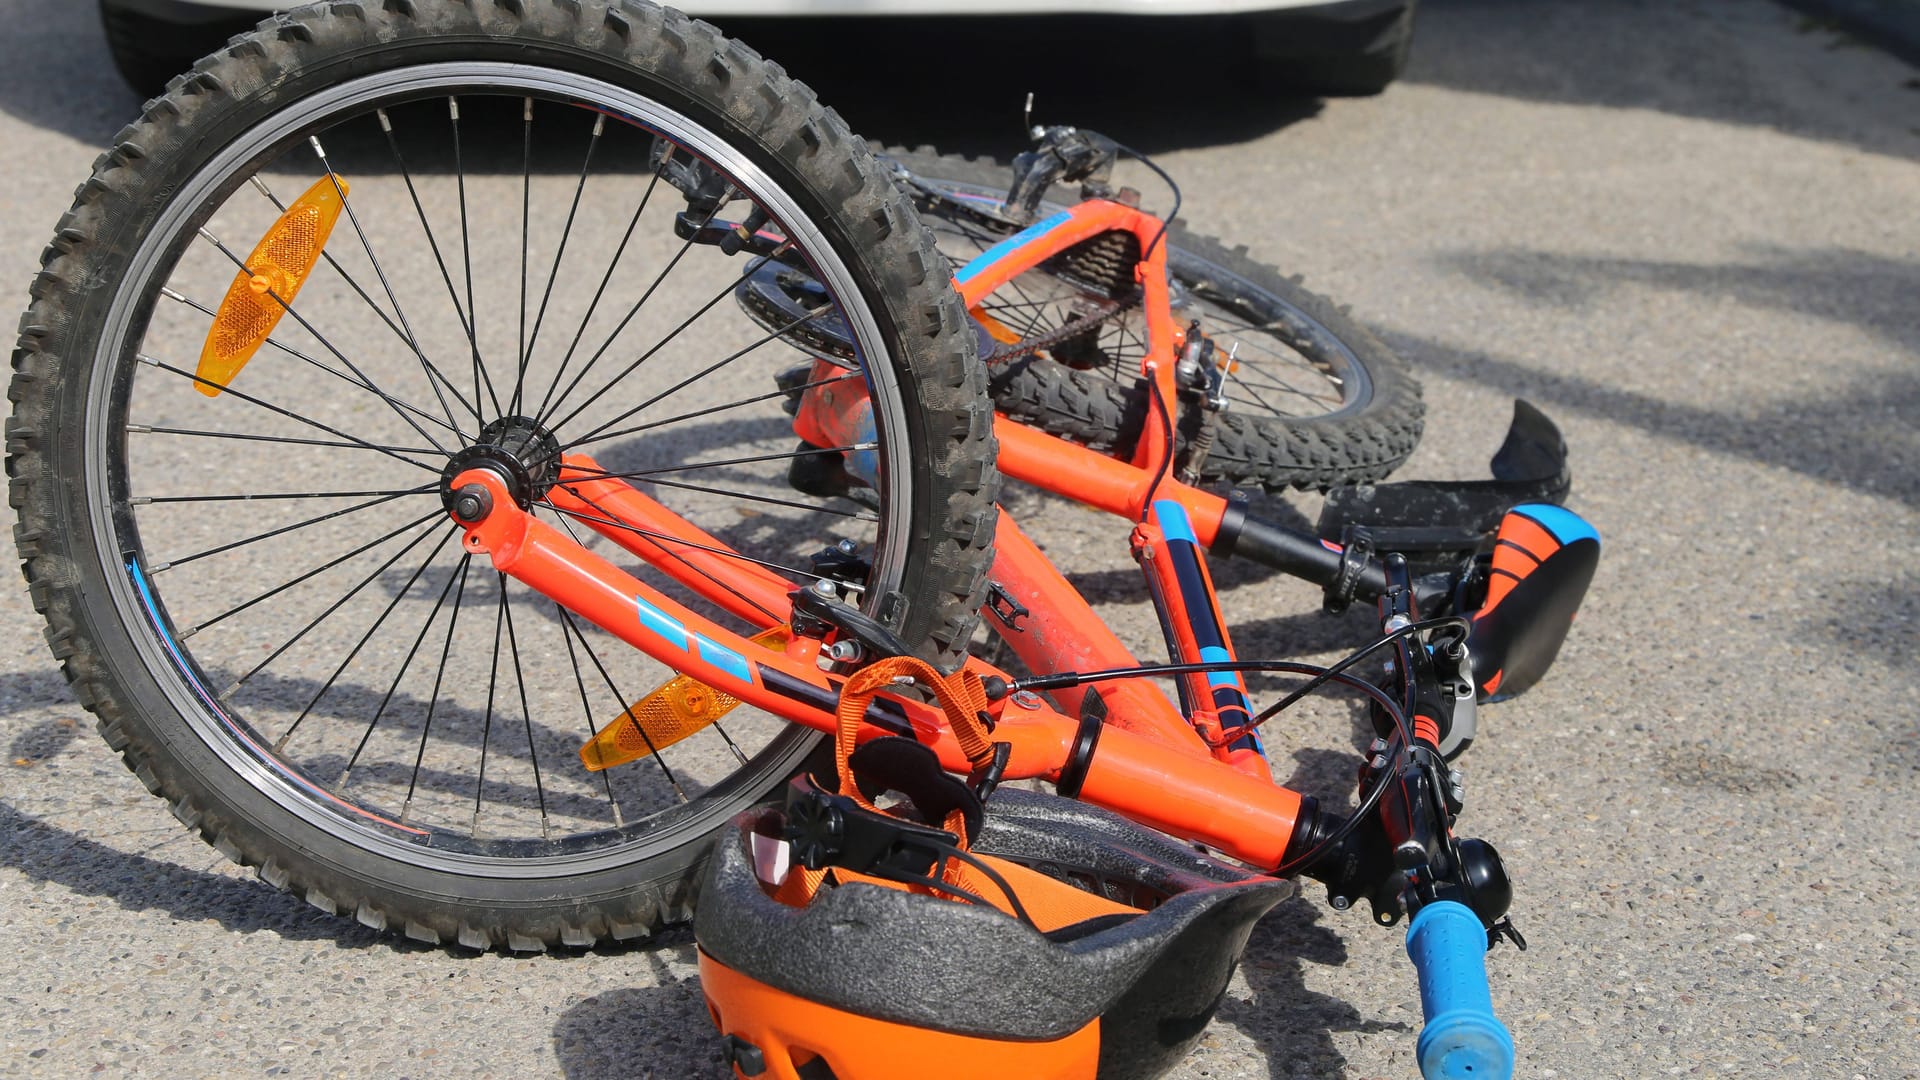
[(270, 742)]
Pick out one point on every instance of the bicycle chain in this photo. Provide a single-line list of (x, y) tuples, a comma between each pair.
[(1028, 346)]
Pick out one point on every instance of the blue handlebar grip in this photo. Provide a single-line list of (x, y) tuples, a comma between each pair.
[(1462, 1040)]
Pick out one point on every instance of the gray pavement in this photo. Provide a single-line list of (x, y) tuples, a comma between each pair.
[(1686, 229)]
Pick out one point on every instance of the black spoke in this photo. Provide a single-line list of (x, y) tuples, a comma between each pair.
[(733, 590), (567, 630), (396, 451), (288, 413), (331, 608), (620, 699), (281, 743), (605, 279), (812, 508), (769, 395), (526, 241), (1281, 385), (566, 233), (493, 682), (605, 519), (466, 250), (724, 361), (391, 401), (446, 276), (626, 703), (1255, 394), (984, 240), (685, 246), (642, 474), (142, 500), (353, 283), (433, 699), (271, 533), (353, 218), (308, 575), (322, 365), (526, 712), (725, 291), (346, 773)]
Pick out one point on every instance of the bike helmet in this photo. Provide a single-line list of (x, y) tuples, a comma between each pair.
[(1036, 938)]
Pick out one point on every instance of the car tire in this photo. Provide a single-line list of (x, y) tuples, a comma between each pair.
[(151, 41), (1352, 49)]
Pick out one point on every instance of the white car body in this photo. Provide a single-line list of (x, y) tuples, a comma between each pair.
[(1321, 46), (925, 7)]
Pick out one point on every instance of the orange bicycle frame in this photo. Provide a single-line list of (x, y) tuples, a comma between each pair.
[(1185, 772)]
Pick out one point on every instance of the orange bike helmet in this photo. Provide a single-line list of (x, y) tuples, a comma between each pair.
[(1041, 939)]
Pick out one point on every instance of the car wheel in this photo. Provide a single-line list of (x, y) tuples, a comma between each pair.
[(151, 41), (1348, 49)]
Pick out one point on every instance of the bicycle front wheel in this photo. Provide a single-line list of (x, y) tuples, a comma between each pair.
[(368, 241)]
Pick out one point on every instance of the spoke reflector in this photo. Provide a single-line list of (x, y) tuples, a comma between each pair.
[(279, 265), (680, 707)]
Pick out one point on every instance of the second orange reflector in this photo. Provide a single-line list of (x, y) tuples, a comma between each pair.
[(278, 267), (681, 706)]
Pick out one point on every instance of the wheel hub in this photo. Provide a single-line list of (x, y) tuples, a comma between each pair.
[(523, 452)]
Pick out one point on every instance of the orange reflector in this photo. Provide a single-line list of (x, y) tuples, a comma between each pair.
[(278, 266), (681, 706)]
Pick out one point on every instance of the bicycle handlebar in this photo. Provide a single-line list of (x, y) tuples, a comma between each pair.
[(1462, 1039)]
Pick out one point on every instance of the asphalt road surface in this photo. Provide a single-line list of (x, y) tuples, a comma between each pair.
[(1686, 229)]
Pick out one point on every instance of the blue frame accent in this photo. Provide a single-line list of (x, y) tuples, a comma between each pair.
[(999, 251), (724, 658), (1174, 521), (1565, 525), (663, 624)]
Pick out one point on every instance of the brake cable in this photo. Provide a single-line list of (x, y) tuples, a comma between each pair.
[(1320, 677)]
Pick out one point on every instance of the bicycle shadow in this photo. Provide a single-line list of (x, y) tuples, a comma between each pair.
[(643, 1031), (1863, 438), (139, 883), (40, 689), (1292, 1025)]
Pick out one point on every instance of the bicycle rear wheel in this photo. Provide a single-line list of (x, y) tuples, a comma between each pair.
[(1314, 400), (251, 577)]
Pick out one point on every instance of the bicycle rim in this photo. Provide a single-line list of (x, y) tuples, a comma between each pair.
[(279, 552)]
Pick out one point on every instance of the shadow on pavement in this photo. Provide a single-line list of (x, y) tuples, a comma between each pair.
[(58, 75), (1748, 64), (48, 853), (955, 83), (1857, 288), (1292, 1025), (1864, 434), (960, 83), (1156, 84), (1863, 437), (660, 1030)]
